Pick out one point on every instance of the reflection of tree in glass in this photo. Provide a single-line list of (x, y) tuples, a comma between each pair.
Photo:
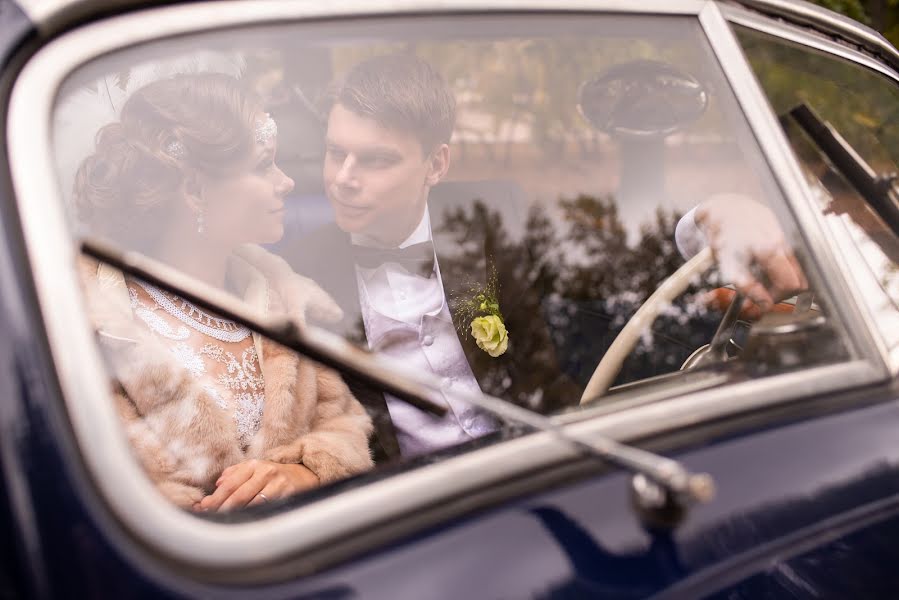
[(565, 289), (606, 286), (528, 373)]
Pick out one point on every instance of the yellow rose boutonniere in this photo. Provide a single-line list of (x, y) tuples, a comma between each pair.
[(485, 321), (490, 334)]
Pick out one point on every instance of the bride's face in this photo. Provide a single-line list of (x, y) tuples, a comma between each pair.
[(247, 206)]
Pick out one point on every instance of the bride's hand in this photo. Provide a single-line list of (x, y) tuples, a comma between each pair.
[(256, 481)]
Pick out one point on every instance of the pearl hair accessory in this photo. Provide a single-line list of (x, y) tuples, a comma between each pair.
[(175, 149), (266, 129)]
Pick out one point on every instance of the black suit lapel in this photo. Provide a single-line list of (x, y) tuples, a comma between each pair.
[(457, 287), (383, 444), (325, 256), (329, 261)]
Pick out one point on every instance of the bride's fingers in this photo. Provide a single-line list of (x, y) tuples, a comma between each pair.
[(226, 485), (226, 472), (244, 494)]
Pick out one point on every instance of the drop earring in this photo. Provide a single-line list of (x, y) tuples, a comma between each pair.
[(201, 226)]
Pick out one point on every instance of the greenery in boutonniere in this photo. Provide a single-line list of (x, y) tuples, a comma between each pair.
[(481, 308)]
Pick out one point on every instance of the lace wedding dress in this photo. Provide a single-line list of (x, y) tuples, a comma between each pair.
[(218, 353)]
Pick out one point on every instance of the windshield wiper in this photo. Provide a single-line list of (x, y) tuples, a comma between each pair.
[(330, 350), (879, 190), (662, 487)]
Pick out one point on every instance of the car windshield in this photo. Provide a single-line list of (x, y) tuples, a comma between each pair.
[(488, 200)]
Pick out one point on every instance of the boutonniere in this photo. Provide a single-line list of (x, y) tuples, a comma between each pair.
[(487, 326)]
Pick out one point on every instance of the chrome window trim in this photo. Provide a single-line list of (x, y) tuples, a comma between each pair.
[(49, 15), (838, 51), (798, 35), (215, 546), (828, 22)]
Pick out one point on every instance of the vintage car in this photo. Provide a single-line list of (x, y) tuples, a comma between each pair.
[(651, 431)]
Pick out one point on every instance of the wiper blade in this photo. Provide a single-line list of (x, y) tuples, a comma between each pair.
[(674, 481), (879, 190)]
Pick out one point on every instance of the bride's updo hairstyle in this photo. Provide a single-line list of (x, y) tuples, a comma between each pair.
[(166, 131)]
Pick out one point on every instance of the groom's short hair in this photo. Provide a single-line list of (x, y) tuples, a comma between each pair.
[(401, 92)]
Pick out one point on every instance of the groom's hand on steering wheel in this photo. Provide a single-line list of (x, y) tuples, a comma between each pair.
[(751, 249)]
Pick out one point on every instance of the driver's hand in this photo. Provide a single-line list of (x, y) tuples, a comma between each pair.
[(751, 248)]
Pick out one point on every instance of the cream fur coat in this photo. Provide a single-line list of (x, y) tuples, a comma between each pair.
[(180, 435)]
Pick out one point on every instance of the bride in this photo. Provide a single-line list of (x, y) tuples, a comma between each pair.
[(219, 417)]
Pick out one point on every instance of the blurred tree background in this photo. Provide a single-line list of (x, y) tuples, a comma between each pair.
[(882, 15)]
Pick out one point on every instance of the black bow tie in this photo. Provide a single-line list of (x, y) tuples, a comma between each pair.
[(417, 258)]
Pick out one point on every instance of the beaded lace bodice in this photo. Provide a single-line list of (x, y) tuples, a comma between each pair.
[(219, 354)]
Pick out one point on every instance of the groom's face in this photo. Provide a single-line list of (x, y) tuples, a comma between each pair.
[(376, 178)]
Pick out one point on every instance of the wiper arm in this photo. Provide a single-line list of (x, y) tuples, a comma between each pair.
[(661, 483), (330, 350), (879, 190)]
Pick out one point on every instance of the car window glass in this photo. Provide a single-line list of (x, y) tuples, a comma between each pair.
[(873, 249), (863, 107), (487, 200)]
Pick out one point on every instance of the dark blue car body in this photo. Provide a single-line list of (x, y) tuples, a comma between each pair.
[(807, 501), (824, 528)]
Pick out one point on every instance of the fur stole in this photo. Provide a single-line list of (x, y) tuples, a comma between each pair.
[(179, 433)]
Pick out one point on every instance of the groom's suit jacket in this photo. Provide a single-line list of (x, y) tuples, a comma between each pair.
[(478, 239)]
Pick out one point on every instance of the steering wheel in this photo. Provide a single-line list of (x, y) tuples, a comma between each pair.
[(624, 342)]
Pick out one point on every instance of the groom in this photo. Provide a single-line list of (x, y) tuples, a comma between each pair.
[(414, 264), (406, 291)]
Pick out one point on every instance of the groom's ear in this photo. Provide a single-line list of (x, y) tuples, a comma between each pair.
[(438, 164)]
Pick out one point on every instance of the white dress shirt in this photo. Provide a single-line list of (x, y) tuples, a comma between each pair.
[(406, 316)]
